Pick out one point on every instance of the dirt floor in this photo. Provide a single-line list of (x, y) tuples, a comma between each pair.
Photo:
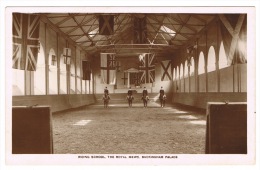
[(122, 130)]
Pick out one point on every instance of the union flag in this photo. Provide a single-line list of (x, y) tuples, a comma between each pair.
[(25, 30), (108, 68), (146, 68)]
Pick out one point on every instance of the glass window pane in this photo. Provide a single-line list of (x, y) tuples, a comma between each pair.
[(201, 68), (53, 73), (211, 59), (192, 67), (181, 71), (186, 69), (18, 82), (223, 62)]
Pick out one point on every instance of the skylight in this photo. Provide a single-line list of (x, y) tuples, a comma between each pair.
[(93, 32), (168, 30)]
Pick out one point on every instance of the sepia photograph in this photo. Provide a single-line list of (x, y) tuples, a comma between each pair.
[(130, 85)]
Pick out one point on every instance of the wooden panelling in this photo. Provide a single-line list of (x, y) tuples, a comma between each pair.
[(32, 130), (226, 128), (200, 100), (56, 102)]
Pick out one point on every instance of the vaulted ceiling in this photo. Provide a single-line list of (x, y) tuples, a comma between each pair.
[(165, 33)]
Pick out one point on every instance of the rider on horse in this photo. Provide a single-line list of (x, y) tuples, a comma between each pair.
[(106, 92), (145, 97), (106, 97), (130, 97), (162, 97)]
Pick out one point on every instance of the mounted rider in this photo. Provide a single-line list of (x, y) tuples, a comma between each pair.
[(145, 97), (162, 97), (106, 97), (106, 92), (130, 97)]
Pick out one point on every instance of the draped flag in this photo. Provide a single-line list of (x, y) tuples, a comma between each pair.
[(234, 35), (146, 68), (25, 41), (140, 31), (86, 70), (67, 55), (166, 70), (108, 68), (106, 24)]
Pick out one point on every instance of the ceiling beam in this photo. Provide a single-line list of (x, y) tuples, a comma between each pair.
[(45, 19)]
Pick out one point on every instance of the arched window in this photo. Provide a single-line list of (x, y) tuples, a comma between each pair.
[(211, 59), (174, 76), (181, 71), (223, 62), (186, 71), (192, 67), (39, 76), (201, 68), (177, 73), (53, 78)]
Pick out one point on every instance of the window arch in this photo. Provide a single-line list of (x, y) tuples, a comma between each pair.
[(181, 71), (53, 78), (211, 59), (192, 67), (174, 76), (186, 71), (201, 68), (223, 62), (177, 73)]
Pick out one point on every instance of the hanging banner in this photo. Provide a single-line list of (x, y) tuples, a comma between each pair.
[(67, 55), (166, 70), (147, 68), (86, 70), (25, 41), (108, 68), (106, 24)]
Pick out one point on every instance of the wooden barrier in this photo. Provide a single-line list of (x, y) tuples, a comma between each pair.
[(226, 131), (56, 102), (32, 130)]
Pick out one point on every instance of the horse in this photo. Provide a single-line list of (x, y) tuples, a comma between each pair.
[(162, 99), (145, 100), (106, 99), (130, 99)]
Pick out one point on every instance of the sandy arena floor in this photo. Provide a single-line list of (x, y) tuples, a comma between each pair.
[(123, 130)]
